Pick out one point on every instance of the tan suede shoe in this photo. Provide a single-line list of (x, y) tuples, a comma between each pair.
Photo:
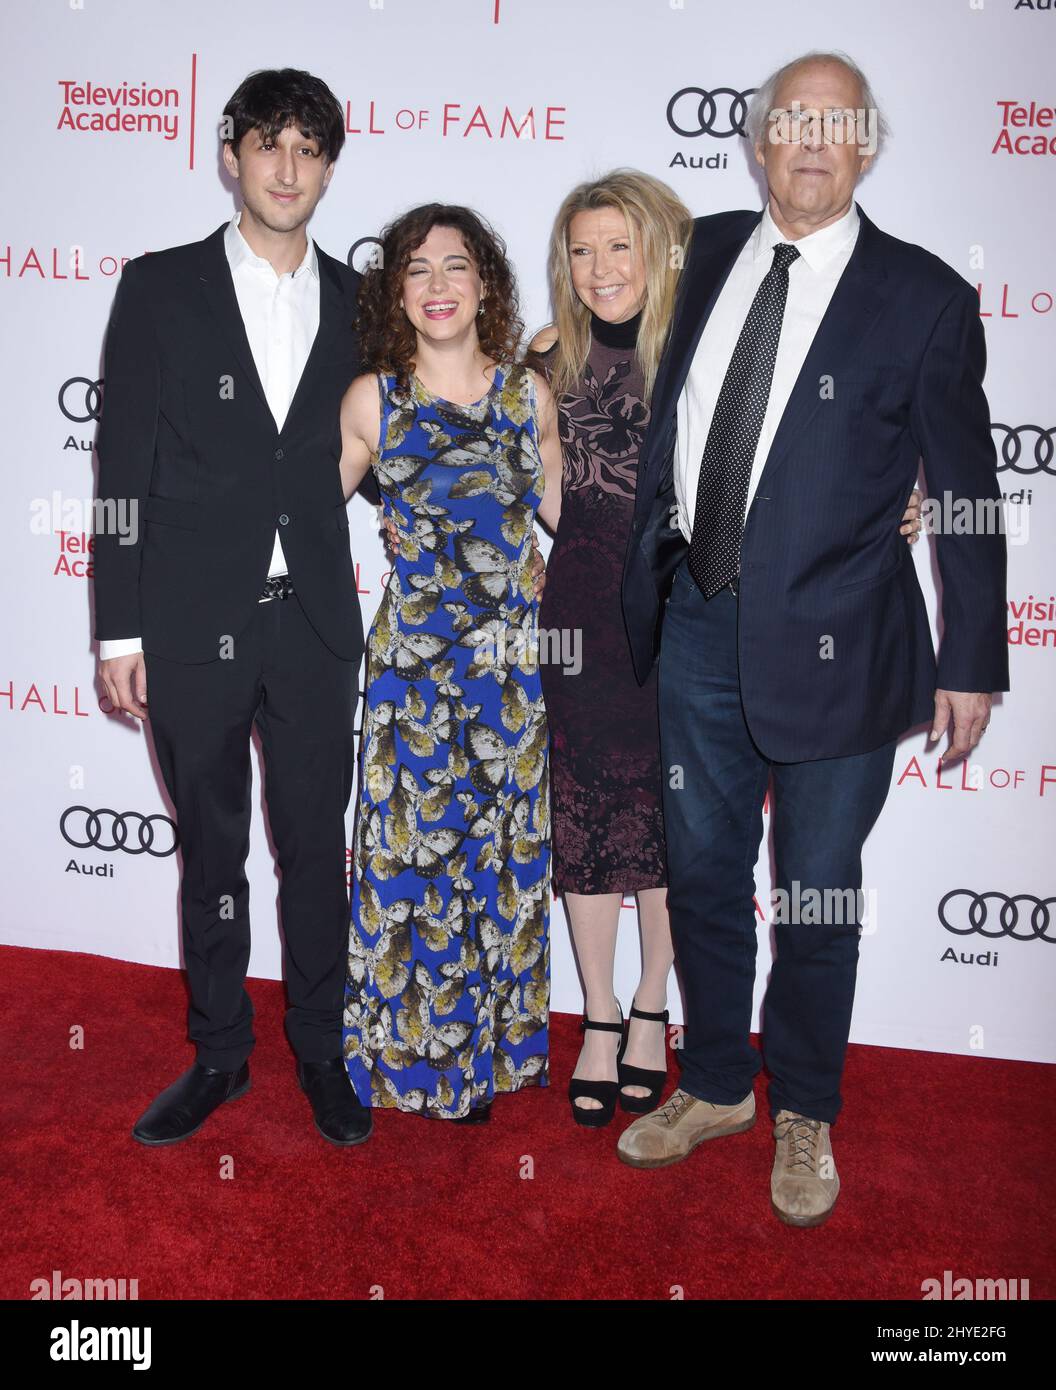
[(672, 1133), (804, 1183)]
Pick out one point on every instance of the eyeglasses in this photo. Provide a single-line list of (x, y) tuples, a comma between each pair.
[(839, 125)]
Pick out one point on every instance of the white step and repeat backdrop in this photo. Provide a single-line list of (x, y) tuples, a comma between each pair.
[(504, 104)]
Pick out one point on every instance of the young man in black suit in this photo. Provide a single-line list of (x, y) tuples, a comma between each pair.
[(225, 365), (813, 361)]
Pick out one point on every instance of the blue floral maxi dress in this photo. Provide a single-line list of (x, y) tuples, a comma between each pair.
[(449, 968)]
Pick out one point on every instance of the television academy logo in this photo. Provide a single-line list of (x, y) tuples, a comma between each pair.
[(110, 831), (718, 111), (1026, 128), (1032, 621), (119, 107), (126, 108)]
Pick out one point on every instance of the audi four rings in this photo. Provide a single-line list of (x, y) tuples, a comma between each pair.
[(1012, 449), (707, 116), (108, 830), (975, 914), (89, 398)]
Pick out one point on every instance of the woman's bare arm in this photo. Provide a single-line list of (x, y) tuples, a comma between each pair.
[(360, 424)]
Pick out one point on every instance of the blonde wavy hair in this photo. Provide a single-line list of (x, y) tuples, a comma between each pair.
[(656, 215)]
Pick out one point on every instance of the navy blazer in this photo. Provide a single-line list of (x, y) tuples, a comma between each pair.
[(187, 437), (834, 646)]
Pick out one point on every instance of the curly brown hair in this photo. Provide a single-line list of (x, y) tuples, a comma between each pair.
[(387, 337)]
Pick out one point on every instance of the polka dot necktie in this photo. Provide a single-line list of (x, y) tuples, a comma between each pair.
[(726, 467)]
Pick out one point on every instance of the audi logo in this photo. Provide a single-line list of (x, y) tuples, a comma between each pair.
[(369, 262), (974, 915), (705, 118), (1012, 449), (109, 830), (89, 399)]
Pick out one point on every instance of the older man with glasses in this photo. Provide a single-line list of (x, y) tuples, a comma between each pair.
[(813, 362)]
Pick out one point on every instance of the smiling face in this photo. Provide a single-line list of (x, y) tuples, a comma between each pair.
[(441, 287), (812, 181), (281, 180), (607, 273)]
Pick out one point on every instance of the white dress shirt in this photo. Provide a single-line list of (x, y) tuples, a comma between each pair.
[(812, 278), (281, 317)]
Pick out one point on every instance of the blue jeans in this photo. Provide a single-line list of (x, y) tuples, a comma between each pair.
[(715, 780)]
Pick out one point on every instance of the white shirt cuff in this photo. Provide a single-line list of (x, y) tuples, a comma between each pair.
[(119, 646)]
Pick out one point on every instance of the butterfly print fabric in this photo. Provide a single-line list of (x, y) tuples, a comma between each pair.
[(449, 968)]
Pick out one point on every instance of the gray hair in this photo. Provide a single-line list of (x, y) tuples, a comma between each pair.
[(762, 101)]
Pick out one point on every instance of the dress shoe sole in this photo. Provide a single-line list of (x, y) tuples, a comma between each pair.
[(803, 1222), (179, 1138), (716, 1133)]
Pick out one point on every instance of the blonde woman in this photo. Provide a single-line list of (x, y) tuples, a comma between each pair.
[(614, 256), (616, 252)]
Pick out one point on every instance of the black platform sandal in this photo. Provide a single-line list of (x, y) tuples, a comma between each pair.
[(641, 1076), (604, 1092)]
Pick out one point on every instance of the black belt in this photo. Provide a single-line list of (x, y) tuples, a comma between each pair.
[(276, 586)]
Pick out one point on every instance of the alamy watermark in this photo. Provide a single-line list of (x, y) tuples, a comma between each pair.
[(948, 515), (97, 516), (512, 645), (835, 125), (824, 907)]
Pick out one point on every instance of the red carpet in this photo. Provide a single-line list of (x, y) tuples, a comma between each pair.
[(944, 1163)]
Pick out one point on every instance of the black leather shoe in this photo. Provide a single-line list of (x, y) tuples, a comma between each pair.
[(184, 1107), (339, 1116)]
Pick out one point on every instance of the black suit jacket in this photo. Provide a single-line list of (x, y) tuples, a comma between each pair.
[(188, 440), (823, 568)]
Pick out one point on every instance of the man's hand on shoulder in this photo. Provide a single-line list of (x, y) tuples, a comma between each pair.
[(125, 678), (965, 714)]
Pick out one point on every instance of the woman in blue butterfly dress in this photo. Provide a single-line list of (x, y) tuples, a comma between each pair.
[(446, 1001)]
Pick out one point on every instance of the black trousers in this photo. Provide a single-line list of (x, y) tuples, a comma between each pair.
[(280, 676), (714, 783)]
